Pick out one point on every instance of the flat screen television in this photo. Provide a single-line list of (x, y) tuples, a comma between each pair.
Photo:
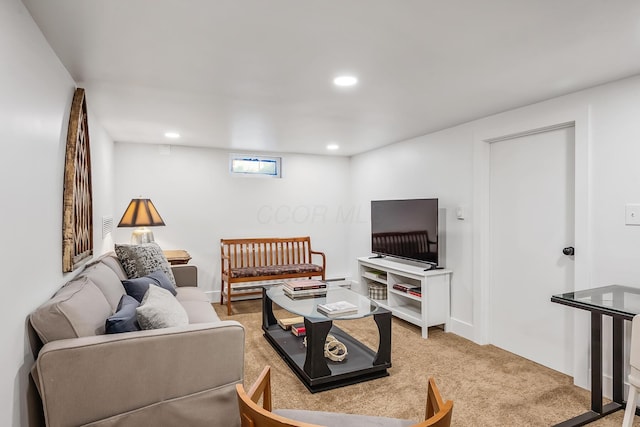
[(405, 229)]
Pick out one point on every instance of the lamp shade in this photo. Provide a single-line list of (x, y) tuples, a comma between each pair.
[(141, 213)]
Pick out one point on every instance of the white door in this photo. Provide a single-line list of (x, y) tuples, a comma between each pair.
[(532, 220)]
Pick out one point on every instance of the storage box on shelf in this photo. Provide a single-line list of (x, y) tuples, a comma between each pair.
[(377, 291), (428, 307)]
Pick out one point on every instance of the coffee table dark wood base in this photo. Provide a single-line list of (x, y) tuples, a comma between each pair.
[(315, 371)]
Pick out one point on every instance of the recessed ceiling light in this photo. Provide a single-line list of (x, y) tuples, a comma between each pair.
[(333, 147), (172, 135), (345, 81)]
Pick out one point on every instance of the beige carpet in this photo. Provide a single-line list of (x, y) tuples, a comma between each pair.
[(489, 386)]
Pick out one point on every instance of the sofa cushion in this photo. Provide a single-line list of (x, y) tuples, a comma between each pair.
[(200, 312), (160, 309), (112, 261), (125, 318), (140, 260), (138, 287), (107, 281), (78, 309), (197, 305), (275, 270), (191, 293)]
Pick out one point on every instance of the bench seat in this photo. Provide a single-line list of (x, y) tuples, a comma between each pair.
[(274, 270)]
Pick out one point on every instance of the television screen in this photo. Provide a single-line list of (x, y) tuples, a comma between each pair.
[(405, 229)]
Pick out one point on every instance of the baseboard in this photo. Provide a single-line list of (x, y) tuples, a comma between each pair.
[(461, 328), (214, 296), (356, 286), (607, 386)]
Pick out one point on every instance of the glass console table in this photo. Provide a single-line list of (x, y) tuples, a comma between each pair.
[(315, 371), (621, 303)]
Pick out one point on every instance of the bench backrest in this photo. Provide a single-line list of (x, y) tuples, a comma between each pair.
[(261, 252)]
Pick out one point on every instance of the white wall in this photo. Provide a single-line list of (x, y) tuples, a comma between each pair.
[(102, 165), (201, 203), (615, 179), (34, 113), (442, 165), (437, 165)]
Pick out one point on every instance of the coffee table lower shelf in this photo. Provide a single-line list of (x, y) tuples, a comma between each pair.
[(359, 365)]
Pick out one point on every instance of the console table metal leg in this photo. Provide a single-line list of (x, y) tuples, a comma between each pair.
[(598, 410), (599, 308), (315, 364), (268, 319), (596, 362), (383, 320), (618, 360)]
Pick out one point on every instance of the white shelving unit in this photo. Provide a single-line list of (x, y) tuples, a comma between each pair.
[(430, 309)]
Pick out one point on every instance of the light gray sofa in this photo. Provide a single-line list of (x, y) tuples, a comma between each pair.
[(177, 376)]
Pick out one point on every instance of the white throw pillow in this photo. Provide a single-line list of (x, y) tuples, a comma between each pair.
[(160, 309)]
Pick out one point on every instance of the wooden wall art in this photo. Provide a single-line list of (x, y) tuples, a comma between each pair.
[(77, 216)]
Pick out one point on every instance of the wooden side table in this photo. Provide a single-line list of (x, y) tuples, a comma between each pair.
[(178, 256)]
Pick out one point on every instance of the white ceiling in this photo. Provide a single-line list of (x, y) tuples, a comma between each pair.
[(256, 74)]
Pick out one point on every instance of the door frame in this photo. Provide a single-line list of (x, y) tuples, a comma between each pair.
[(510, 125)]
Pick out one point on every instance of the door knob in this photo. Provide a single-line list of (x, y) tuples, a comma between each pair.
[(569, 250)]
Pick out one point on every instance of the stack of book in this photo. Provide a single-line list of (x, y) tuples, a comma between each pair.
[(305, 288), (287, 322), (417, 292), (339, 308), (298, 329), (414, 290)]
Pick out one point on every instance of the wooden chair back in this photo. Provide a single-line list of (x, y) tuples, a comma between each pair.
[(254, 415), (438, 412)]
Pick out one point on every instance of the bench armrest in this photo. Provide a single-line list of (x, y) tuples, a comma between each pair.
[(92, 378), (324, 261)]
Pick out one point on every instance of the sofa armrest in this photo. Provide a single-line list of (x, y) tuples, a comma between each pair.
[(86, 379), (185, 275)]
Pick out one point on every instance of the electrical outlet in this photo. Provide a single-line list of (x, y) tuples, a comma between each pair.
[(632, 214)]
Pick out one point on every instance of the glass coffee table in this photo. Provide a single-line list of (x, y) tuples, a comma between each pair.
[(308, 362)]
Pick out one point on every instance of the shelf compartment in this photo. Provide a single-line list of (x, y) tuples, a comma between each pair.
[(404, 294), (409, 313), (372, 276), (432, 308)]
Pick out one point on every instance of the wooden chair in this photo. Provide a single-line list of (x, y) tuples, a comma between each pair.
[(438, 412)]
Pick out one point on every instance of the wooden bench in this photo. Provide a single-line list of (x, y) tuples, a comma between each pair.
[(257, 260)]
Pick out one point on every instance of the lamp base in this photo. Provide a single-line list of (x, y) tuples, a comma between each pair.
[(141, 235)]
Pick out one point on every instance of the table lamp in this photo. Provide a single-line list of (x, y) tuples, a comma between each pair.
[(141, 214)]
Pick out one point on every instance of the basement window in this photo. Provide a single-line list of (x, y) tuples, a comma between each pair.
[(252, 165)]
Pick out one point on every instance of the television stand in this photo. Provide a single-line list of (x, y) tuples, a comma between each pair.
[(429, 307), (378, 256)]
